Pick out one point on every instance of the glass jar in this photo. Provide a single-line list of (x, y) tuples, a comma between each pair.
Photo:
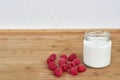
[(97, 49)]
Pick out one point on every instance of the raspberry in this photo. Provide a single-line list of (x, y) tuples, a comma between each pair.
[(62, 61), (52, 66), (64, 67), (50, 59), (72, 57), (71, 64), (81, 68), (73, 71), (77, 61), (58, 72), (53, 56), (63, 56)]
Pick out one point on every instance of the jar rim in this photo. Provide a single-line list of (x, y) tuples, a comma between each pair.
[(97, 33)]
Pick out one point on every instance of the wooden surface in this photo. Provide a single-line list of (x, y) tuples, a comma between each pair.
[(23, 54)]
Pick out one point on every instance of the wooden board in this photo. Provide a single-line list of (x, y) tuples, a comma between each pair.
[(23, 54)]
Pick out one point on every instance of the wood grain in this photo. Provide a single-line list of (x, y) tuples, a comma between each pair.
[(23, 54)]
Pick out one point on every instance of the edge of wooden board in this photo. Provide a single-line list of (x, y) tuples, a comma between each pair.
[(50, 31)]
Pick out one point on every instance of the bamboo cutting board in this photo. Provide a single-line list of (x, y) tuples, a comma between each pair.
[(23, 54)]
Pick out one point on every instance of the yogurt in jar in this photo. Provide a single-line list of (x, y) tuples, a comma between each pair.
[(97, 49)]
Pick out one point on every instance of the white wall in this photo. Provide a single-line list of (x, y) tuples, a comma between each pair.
[(49, 14)]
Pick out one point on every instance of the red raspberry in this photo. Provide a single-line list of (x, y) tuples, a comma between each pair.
[(63, 56), (58, 72), (73, 71), (52, 66), (72, 57), (53, 56), (81, 68), (50, 59), (77, 61), (71, 64), (64, 67), (62, 61)]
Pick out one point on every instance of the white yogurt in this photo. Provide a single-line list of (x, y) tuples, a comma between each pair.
[(97, 50)]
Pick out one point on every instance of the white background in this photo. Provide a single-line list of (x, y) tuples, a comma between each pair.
[(59, 14)]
